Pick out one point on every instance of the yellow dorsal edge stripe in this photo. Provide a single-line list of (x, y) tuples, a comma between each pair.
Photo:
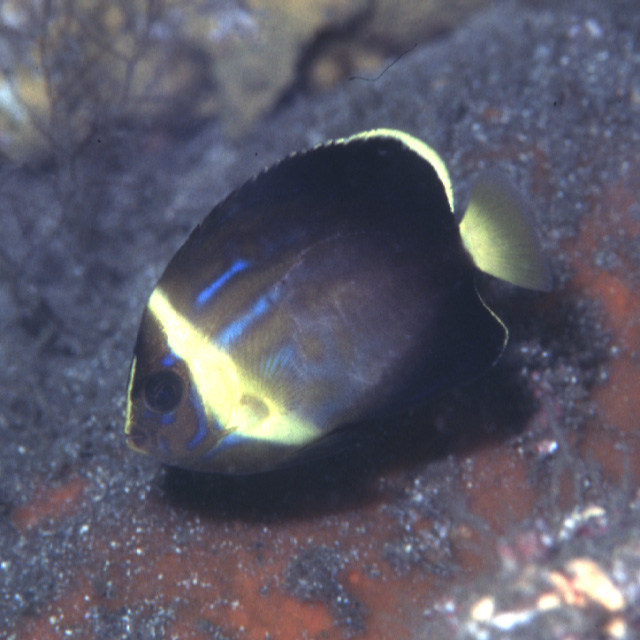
[(417, 146)]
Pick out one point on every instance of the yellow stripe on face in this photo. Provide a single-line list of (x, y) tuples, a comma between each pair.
[(225, 391), (132, 373), (212, 370)]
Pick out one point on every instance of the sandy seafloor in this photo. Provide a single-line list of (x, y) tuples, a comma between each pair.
[(507, 508)]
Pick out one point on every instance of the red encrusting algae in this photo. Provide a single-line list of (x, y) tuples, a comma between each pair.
[(50, 503)]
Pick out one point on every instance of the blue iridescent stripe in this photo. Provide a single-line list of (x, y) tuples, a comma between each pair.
[(201, 434), (232, 332), (168, 418), (201, 418), (162, 418), (209, 291), (228, 441), (169, 360), (201, 421)]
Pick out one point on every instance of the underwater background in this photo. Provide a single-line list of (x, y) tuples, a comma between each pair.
[(507, 506)]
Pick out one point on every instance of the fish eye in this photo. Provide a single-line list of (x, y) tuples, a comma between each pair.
[(163, 391)]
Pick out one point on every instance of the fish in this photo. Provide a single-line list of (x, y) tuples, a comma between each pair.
[(333, 289)]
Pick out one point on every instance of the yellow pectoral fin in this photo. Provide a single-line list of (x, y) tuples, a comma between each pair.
[(259, 418)]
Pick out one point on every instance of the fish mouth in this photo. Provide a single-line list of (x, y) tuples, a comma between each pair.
[(136, 440)]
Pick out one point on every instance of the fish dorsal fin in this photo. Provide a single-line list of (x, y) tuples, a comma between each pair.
[(414, 144), (497, 231)]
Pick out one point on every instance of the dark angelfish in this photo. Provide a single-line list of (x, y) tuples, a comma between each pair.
[(334, 288)]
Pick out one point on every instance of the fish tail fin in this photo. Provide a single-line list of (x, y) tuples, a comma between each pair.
[(498, 232)]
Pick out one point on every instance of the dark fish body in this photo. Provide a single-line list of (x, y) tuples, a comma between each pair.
[(331, 289)]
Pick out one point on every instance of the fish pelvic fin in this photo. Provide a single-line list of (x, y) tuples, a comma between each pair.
[(497, 230)]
